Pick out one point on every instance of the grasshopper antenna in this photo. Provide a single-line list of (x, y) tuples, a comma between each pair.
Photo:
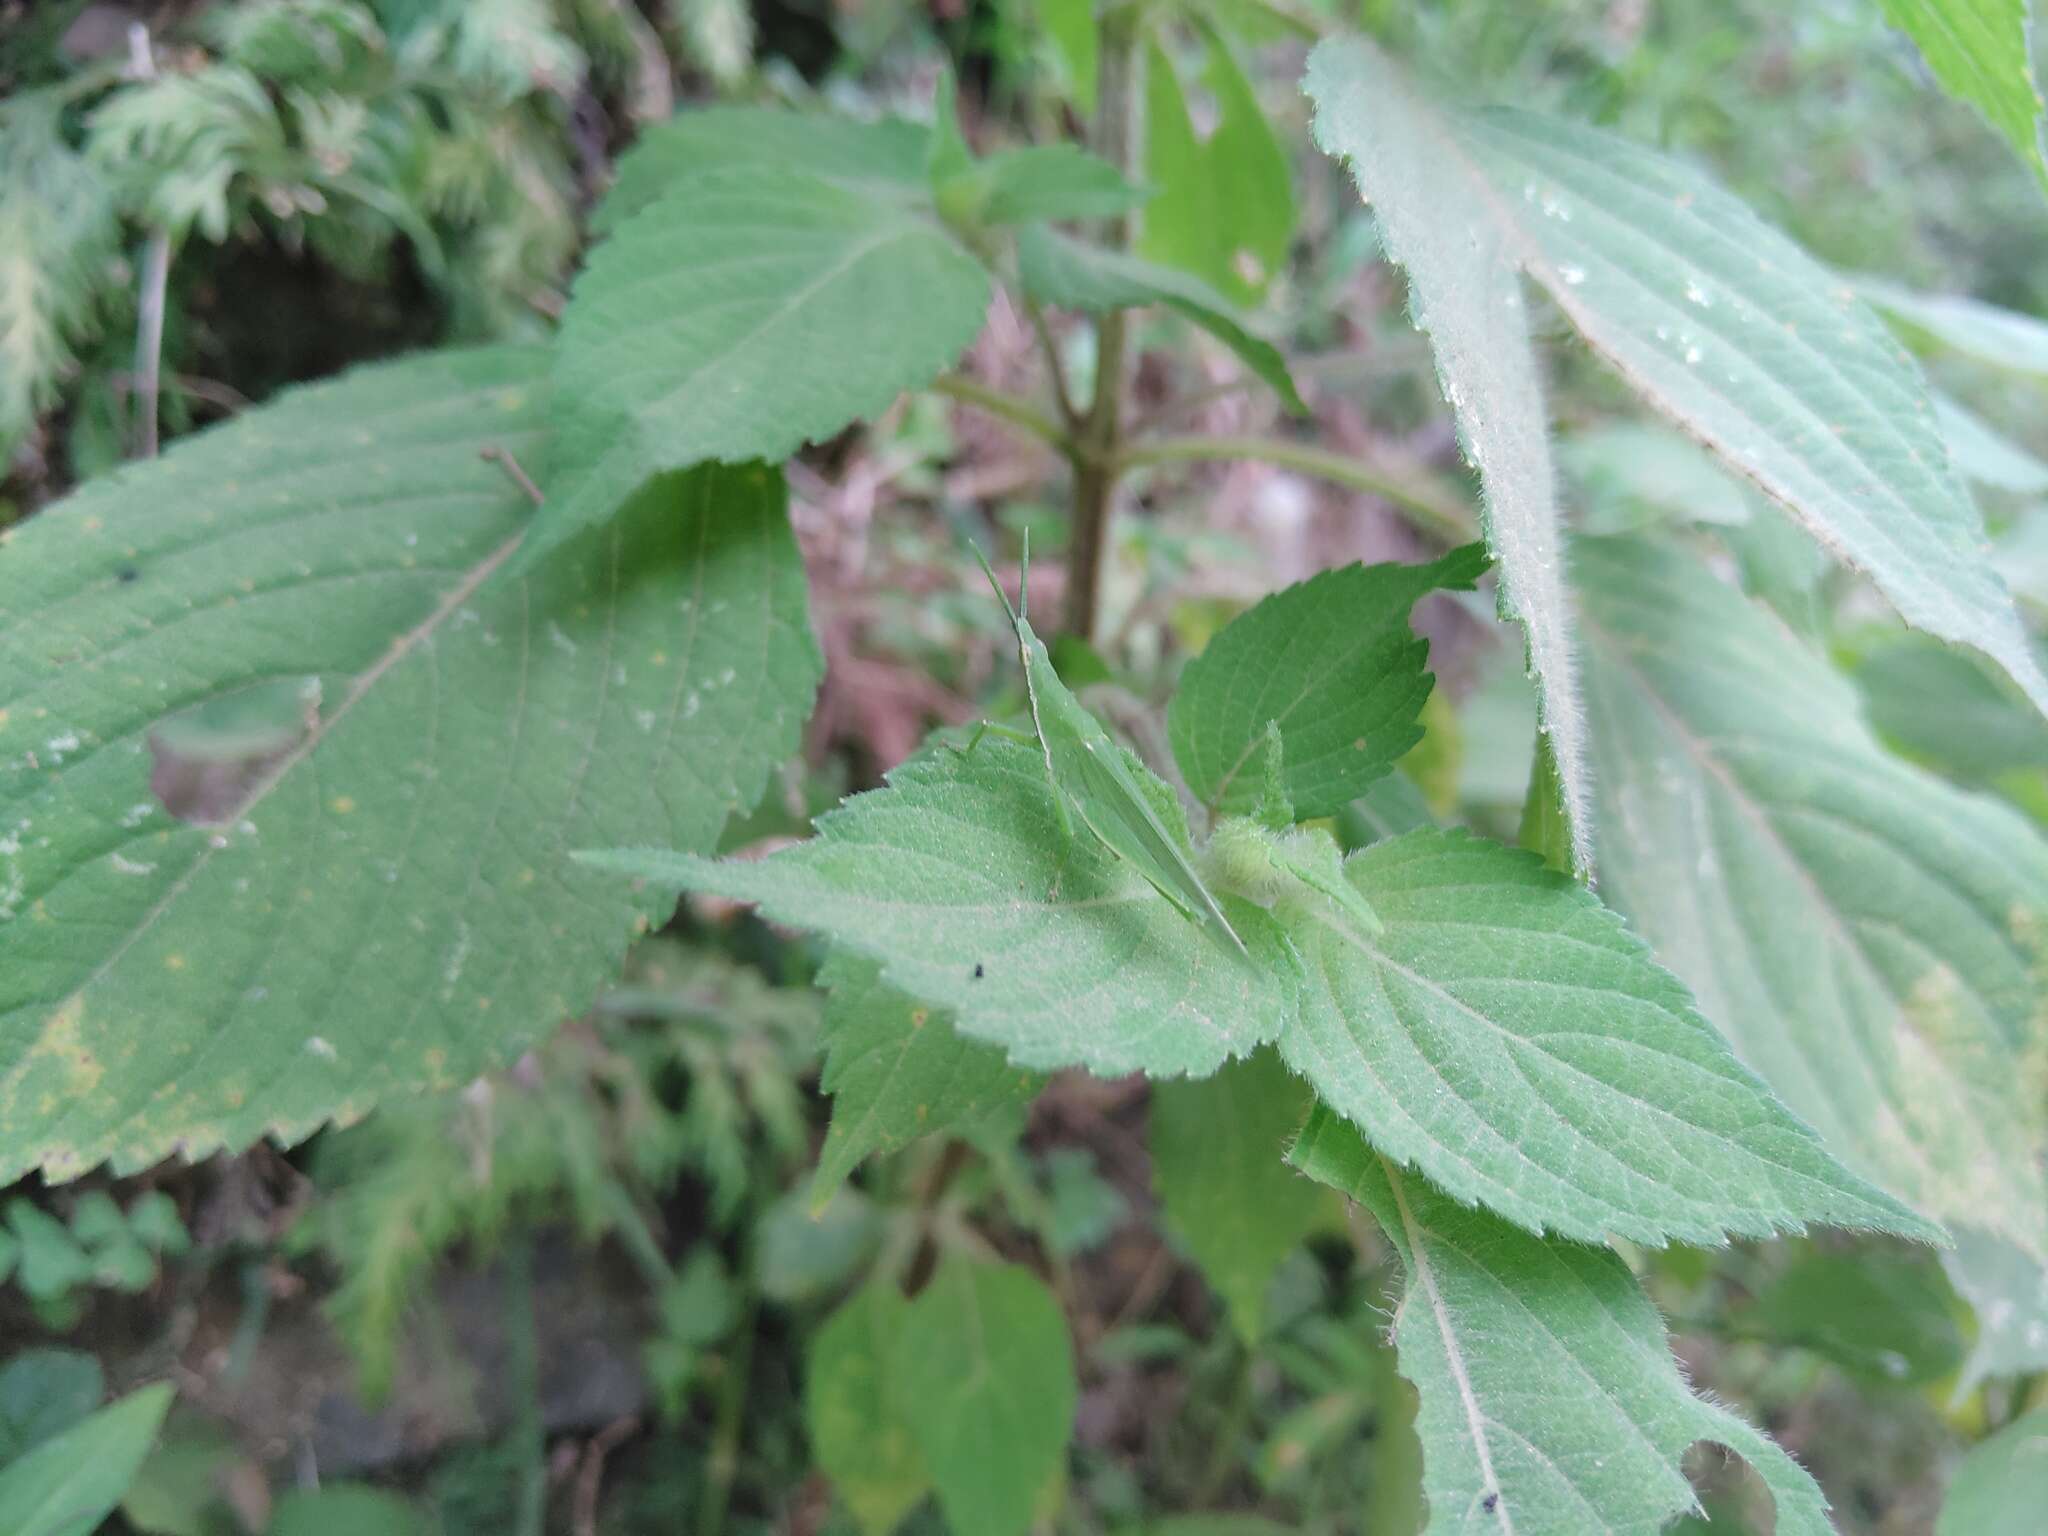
[(1024, 579), (996, 586)]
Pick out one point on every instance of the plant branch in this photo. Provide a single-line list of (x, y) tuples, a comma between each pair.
[(1117, 138), (1062, 396), (1006, 406), (156, 273), (1424, 507)]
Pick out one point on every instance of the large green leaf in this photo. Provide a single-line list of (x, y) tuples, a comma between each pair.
[(1061, 271), (1333, 663), (884, 159), (739, 315), (852, 1408), (1218, 1148), (1550, 1399), (387, 902), (1746, 343), (1225, 206), (1435, 220), (1978, 50), (897, 1071), (1713, 317), (960, 880), (984, 1373), (1508, 1036), (1870, 938), (71, 1482)]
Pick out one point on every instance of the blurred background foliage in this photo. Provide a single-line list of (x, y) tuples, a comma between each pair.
[(578, 1295)]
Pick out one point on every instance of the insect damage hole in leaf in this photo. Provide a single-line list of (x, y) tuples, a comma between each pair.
[(210, 760)]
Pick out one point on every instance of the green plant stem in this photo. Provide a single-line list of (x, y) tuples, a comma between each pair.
[(1425, 509), (1007, 407), (1062, 396), (1117, 138)]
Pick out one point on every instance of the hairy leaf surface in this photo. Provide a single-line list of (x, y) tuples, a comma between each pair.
[(1550, 1399), (959, 880), (739, 315), (1333, 662), (387, 901), (897, 1070), (1509, 1037), (1745, 342), (1437, 221), (1713, 317), (1870, 938)]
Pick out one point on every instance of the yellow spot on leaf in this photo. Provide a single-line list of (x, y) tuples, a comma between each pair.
[(174, 962), (341, 805)]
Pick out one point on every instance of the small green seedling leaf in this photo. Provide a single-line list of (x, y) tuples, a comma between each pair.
[(985, 1372), (71, 1482), (1333, 663), (1272, 808), (852, 1409), (1273, 867), (1093, 775), (43, 1392)]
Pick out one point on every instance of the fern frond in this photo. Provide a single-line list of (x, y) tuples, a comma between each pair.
[(60, 248)]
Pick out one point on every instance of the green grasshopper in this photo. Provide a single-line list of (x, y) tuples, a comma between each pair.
[(1088, 771)]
